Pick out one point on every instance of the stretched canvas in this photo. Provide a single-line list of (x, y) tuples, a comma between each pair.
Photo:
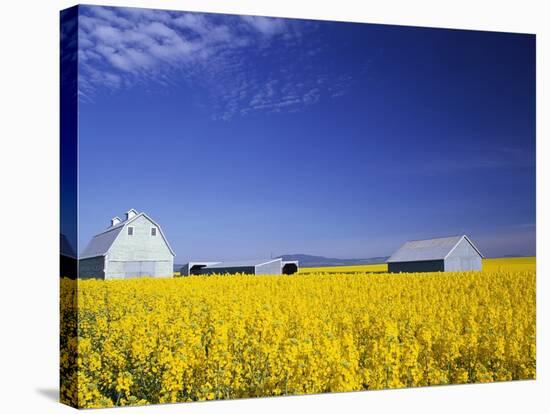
[(256, 206)]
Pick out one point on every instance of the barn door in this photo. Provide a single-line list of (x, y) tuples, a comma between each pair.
[(147, 269), (139, 268)]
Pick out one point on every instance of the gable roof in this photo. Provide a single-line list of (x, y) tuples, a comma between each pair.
[(429, 249), (102, 242), (132, 210)]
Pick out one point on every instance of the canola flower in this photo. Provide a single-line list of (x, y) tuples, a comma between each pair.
[(149, 340)]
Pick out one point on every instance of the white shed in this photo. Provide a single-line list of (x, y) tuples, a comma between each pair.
[(443, 254)]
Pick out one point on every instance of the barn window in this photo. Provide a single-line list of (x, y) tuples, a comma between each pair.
[(153, 231), (130, 231)]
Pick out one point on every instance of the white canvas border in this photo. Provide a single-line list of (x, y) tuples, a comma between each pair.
[(29, 171)]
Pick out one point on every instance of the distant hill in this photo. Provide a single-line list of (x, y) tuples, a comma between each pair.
[(307, 260)]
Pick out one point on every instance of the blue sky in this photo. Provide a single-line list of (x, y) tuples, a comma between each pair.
[(249, 136)]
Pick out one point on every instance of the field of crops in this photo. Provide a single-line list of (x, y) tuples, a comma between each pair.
[(200, 338)]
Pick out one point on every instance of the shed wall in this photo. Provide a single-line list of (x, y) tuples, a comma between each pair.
[(92, 268), (420, 266), (463, 258), (273, 268), (194, 267)]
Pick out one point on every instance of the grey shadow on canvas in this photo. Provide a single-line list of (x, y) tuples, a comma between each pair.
[(49, 393)]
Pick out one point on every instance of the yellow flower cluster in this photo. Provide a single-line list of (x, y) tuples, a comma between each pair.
[(200, 338)]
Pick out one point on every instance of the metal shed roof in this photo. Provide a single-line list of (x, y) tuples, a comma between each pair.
[(200, 262), (242, 263), (430, 249)]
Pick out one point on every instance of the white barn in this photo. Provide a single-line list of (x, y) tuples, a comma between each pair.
[(133, 247)]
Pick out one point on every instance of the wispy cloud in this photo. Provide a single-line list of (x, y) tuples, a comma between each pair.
[(265, 25), (476, 161), (240, 63), (466, 160)]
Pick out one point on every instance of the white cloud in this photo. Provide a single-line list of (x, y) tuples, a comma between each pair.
[(193, 22), (219, 54), (266, 25)]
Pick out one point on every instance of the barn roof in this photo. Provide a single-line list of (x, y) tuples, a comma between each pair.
[(242, 263), (102, 242), (430, 249)]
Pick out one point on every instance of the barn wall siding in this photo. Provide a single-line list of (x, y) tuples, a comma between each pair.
[(420, 266), (148, 255), (91, 268), (141, 245), (129, 269), (463, 258), (114, 270), (164, 268)]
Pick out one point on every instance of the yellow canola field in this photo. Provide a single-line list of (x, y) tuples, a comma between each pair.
[(201, 338)]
